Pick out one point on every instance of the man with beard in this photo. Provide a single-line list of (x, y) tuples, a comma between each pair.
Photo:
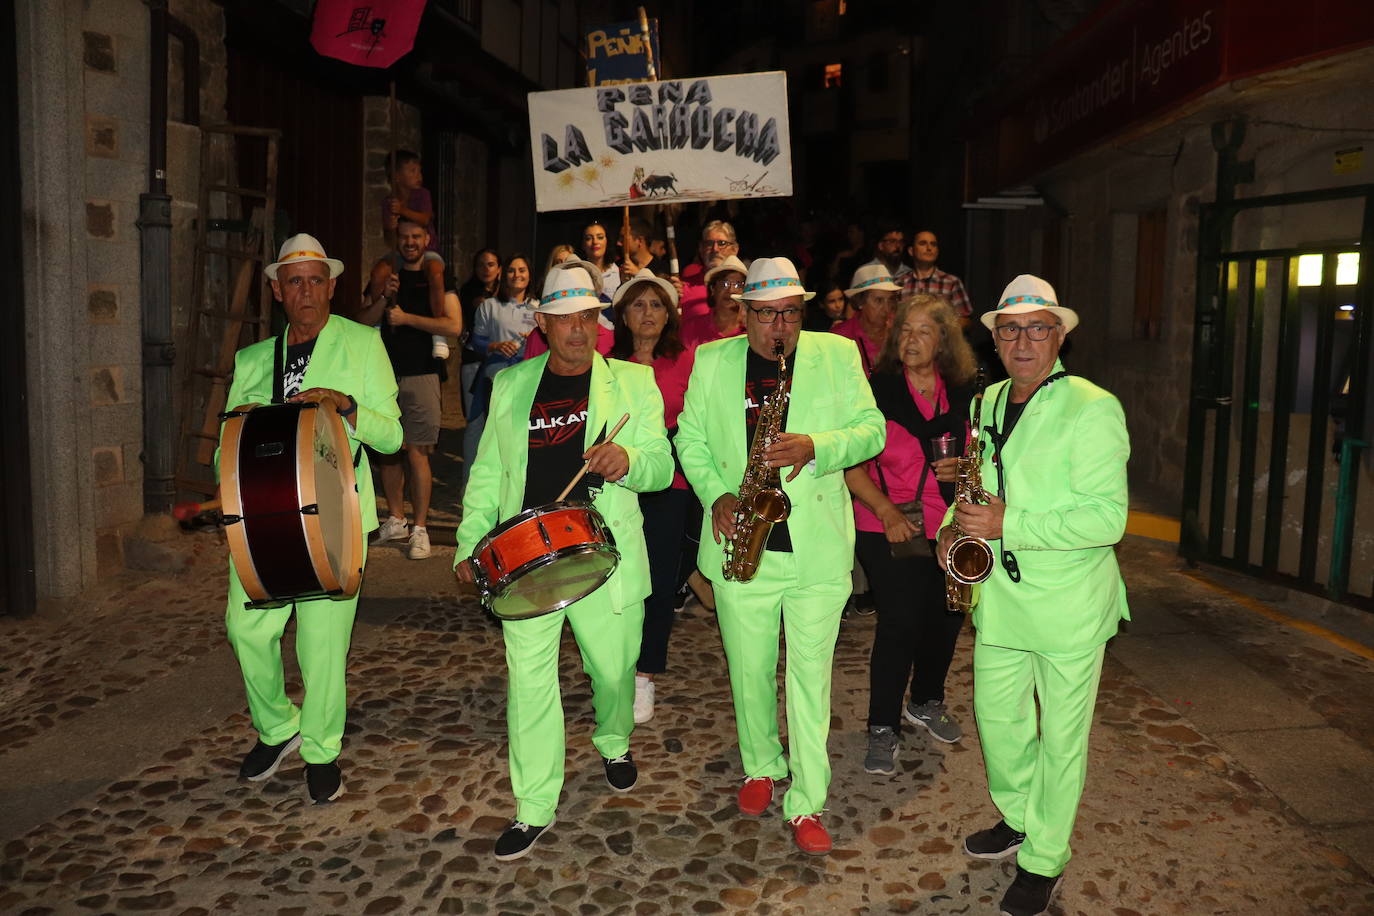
[(828, 423), (399, 297), (547, 415)]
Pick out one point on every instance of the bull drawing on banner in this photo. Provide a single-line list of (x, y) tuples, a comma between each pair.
[(651, 185)]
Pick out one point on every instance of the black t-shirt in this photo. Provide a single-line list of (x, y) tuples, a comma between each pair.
[(760, 380), (297, 361), (411, 350), (556, 432)]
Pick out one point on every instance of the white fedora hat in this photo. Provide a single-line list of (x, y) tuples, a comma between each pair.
[(644, 276), (299, 248), (1029, 293), (872, 277), (730, 263), (572, 260), (568, 289), (771, 278)]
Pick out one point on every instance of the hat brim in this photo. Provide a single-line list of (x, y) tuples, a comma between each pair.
[(887, 287), (336, 266), (1068, 316), (668, 288), (768, 295), (570, 305)]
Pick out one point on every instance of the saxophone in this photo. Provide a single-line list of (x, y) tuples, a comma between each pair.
[(762, 503), (969, 560)]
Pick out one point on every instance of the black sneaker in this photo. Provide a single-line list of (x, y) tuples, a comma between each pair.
[(324, 781), (1029, 894), (262, 761), (621, 772), (994, 843), (864, 606), (515, 843)]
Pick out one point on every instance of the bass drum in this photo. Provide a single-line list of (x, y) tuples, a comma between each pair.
[(290, 501), (544, 559)]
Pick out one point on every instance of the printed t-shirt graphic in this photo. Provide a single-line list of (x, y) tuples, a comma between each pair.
[(557, 431)]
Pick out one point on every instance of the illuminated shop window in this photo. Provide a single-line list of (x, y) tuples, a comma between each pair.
[(833, 74), (1347, 269)]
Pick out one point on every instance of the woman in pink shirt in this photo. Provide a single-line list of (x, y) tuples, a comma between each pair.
[(920, 383), (647, 329)]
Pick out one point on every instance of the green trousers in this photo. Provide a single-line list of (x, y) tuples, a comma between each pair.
[(608, 639), (750, 614), (1036, 766), (324, 629)]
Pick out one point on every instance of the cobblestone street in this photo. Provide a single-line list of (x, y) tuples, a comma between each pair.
[(122, 726)]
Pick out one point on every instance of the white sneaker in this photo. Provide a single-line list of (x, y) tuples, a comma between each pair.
[(440, 349), (393, 529), (644, 699), (419, 543)]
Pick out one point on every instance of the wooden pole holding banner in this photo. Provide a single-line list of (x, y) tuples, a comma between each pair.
[(651, 65)]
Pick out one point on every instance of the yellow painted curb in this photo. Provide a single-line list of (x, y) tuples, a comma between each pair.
[(1149, 525), (1265, 610)]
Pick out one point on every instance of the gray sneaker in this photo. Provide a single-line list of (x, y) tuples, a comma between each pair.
[(882, 750), (936, 720)]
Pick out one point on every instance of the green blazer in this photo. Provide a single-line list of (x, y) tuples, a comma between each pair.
[(496, 486), (348, 357), (1065, 483), (830, 401)]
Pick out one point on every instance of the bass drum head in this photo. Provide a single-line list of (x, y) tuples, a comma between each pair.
[(564, 578), (336, 495)]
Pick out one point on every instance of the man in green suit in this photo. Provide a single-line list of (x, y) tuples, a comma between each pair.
[(546, 416), (803, 577), (1056, 458), (330, 359)]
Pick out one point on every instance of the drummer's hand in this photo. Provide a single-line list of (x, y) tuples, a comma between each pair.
[(340, 400), (607, 459), (463, 572), (723, 516)]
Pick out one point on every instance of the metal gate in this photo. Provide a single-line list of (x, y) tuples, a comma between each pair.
[(1279, 419)]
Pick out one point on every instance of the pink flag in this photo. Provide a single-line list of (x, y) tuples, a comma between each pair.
[(368, 33)]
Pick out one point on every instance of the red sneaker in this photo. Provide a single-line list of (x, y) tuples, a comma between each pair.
[(810, 836), (755, 796)]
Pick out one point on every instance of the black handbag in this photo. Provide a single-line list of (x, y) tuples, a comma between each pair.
[(918, 545)]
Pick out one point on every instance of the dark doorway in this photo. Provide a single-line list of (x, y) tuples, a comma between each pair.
[(17, 594), (320, 167)]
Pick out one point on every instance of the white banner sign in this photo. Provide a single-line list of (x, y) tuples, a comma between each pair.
[(650, 143)]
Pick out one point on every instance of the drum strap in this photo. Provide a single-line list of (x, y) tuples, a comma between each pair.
[(278, 366)]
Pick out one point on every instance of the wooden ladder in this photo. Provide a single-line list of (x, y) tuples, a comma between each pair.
[(207, 374)]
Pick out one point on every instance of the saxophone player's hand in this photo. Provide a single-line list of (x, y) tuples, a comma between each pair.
[(942, 545), (982, 521), (791, 449), (723, 516)]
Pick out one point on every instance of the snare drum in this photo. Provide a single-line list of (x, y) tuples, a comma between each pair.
[(544, 559), (290, 503)]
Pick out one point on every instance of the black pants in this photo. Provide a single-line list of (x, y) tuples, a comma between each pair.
[(915, 634), (665, 516)]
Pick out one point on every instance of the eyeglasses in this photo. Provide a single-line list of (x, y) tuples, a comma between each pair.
[(891, 240), (733, 286), (716, 243), (766, 314), (1035, 332)]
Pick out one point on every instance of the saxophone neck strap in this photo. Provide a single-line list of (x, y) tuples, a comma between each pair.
[(999, 439)]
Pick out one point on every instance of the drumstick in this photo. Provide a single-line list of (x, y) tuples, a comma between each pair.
[(572, 483)]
